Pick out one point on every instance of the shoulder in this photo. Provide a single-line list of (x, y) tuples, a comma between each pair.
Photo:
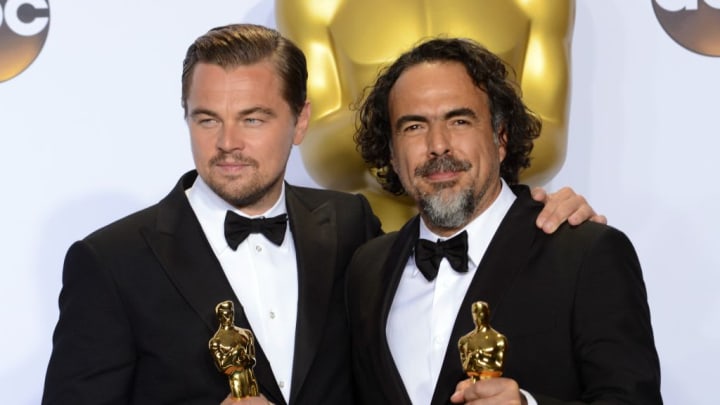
[(580, 237), (368, 261), (127, 231), (350, 210), (377, 246), (316, 196), (589, 235), (115, 243), (597, 254), (133, 221), (166, 214)]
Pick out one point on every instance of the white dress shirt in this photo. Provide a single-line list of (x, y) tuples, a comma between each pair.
[(423, 312), (262, 275)]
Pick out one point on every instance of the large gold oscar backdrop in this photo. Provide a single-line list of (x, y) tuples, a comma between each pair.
[(348, 41)]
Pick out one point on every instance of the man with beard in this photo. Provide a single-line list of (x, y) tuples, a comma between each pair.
[(446, 125), (137, 308)]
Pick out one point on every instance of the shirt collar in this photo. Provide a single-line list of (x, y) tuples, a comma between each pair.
[(211, 209)]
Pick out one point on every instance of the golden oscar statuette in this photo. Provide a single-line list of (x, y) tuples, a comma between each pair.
[(348, 41), (233, 350), (482, 351)]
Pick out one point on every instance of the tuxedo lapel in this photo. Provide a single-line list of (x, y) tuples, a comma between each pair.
[(180, 246), (314, 231), (389, 376), (506, 256)]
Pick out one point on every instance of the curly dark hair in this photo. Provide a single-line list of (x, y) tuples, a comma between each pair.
[(488, 72)]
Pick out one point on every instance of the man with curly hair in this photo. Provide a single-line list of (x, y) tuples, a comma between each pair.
[(446, 125)]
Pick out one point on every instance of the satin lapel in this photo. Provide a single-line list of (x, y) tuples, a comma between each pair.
[(314, 230), (388, 375), (180, 246), (506, 256)]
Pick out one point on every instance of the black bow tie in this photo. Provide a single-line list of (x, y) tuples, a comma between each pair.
[(428, 255), (237, 228)]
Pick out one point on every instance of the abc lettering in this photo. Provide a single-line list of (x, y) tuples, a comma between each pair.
[(691, 5), (10, 17)]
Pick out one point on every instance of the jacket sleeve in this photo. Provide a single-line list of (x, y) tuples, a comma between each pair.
[(93, 356), (612, 333)]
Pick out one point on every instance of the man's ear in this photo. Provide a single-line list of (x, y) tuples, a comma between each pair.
[(391, 163), (301, 126), (502, 142)]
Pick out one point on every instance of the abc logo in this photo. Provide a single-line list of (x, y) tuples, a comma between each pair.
[(23, 30), (694, 24)]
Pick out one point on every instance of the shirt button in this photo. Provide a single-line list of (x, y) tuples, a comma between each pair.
[(258, 248), (272, 315), (281, 384)]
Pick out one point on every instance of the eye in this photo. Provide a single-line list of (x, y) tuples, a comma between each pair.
[(253, 121), (208, 122), (460, 122), (411, 128)]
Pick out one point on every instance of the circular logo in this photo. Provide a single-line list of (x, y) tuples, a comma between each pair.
[(23, 30), (694, 24)]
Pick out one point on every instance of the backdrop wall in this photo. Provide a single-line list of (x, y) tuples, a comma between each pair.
[(93, 130)]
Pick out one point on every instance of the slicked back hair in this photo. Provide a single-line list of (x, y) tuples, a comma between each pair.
[(237, 45)]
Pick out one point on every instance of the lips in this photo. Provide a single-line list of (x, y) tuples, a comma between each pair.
[(232, 164), (442, 175), (233, 167)]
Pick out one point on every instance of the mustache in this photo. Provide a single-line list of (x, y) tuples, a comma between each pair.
[(233, 158), (444, 163)]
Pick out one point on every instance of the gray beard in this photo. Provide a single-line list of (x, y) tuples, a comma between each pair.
[(448, 213)]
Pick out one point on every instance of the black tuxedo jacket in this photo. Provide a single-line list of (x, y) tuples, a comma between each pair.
[(137, 307), (572, 305)]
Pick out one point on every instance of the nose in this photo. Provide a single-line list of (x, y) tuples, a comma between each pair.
[(438, 139), (230, 138)]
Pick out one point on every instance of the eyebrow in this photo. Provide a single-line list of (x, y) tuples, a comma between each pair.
[(261, 110), (460, 112), (248, 111), (202, 111), (457, 112)]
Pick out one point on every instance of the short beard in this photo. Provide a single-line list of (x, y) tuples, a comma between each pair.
[(448, 213), (247, 196)]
